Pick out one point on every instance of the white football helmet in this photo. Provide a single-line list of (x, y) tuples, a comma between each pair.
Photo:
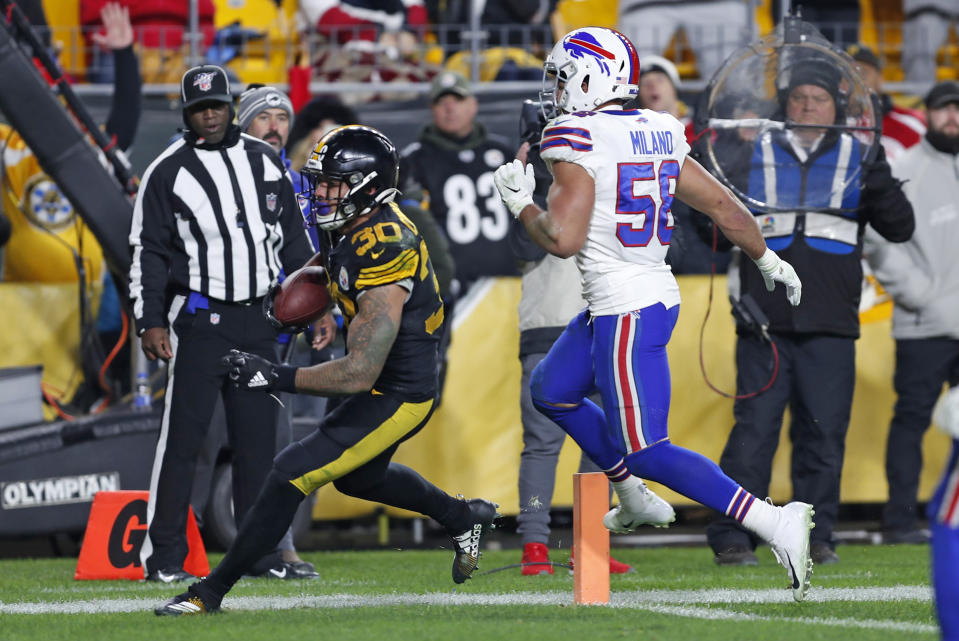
[(604, 60)]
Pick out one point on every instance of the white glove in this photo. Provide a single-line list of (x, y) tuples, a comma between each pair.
[(515, 185), (774, 269), (946, 414)]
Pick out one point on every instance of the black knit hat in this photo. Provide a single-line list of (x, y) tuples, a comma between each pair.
[(818, 73)]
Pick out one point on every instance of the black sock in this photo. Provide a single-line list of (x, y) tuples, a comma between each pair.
[(262, 528), (404, 488)]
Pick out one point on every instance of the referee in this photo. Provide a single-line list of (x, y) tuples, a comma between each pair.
[(214, 222)]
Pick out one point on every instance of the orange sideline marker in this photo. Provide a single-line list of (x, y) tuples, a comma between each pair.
[(115, 532), (590, 539)]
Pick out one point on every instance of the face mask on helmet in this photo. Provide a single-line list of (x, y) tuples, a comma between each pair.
[(352, 171), (595, 65)]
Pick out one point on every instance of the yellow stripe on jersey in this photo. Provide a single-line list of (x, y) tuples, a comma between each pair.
[(424, 261), (341, 299), (435, 320), (403, 266), (403, 219), (403, 421)]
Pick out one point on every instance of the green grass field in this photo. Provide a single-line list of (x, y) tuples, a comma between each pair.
[(875, 593)]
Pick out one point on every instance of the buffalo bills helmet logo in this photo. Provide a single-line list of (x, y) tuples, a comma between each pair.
[(204, 81), (582, 44)]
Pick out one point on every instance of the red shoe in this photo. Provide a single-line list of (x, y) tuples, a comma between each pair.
[(538, 555), (618, 567), (615, 567)]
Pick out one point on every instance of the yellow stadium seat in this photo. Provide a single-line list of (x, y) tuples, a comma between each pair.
[(63, 17), (573, 14), (491, 60), (264, 60), (880, 28)]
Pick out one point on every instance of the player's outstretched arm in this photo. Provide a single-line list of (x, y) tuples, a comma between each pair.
[(700, 190), (560, 230)]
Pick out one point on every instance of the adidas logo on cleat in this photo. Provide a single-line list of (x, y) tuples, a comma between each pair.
[(184, 604), (467, 544)]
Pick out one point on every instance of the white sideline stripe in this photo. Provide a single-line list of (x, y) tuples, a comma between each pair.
[(725, 615), (670, 602)]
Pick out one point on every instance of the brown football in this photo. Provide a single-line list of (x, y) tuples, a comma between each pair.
[(303, 297)]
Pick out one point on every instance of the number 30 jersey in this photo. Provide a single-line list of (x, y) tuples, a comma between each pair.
[(634, 157), (383, 250)]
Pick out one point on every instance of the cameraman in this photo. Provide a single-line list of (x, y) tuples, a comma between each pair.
[(552, 296)]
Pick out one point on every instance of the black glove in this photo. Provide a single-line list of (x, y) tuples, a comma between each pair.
[(249, 371)]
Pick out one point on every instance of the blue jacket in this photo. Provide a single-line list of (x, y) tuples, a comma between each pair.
[(827, 198)]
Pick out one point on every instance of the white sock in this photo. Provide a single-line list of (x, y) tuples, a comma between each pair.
[(630, 493), (762, 518)]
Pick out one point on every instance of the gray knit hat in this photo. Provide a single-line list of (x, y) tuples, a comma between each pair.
[(258, 98)]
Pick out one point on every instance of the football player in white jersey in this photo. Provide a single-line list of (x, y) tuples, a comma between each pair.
[(615, 175)]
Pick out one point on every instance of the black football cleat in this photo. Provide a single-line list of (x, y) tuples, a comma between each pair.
[(466, 545), (186, 603), (288, 571)]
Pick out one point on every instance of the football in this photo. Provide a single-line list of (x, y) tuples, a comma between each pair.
[(303, 297)]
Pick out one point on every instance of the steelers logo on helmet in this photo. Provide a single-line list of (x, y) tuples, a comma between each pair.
[(352, 171), (595, 65)]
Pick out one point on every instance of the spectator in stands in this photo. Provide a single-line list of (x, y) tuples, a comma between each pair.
[(659, 87), (901, 128), (518, 23), (161, 27), (923, 280), (925, 30), (816, 340), (453, 163), (714, 28), (205, 252), (354, 20)]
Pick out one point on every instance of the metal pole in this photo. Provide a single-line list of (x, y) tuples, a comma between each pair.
[(194, 31), (476, 7)]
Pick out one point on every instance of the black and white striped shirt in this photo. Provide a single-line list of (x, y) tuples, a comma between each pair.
[(220, 220)]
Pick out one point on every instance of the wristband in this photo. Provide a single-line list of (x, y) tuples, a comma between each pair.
[(285, 379)]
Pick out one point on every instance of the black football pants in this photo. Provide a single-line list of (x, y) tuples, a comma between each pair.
[(923, 365), (352, 449), (817, 375), (194, 379)]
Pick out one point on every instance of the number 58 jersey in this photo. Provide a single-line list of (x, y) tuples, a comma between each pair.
[(634, 157)]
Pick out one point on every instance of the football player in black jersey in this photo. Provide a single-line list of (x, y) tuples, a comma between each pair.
[(381, 277)]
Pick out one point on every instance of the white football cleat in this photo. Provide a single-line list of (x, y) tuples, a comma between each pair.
[(790, 544), (645, 508)]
